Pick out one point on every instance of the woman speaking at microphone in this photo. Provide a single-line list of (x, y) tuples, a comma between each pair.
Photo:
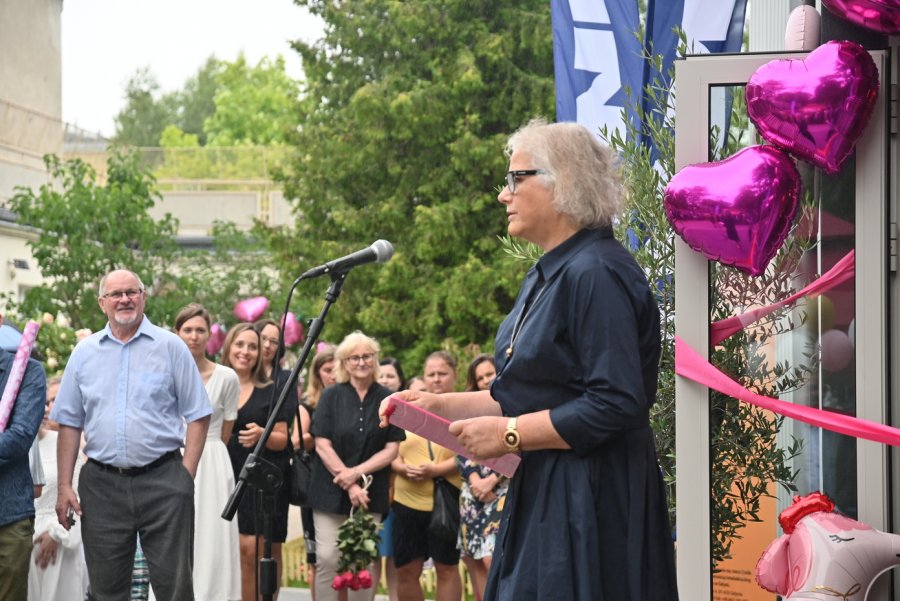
[(585, 516)]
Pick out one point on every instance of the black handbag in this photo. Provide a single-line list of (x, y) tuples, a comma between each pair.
[(300, 473), (445, 513)]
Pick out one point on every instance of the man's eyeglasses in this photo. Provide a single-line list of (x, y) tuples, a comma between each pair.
[(120, 294), (512, 177), (360, 358)]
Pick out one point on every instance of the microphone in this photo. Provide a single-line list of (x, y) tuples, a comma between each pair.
[(379, 252)]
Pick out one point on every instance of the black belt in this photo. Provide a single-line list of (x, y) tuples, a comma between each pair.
[(134, 471)]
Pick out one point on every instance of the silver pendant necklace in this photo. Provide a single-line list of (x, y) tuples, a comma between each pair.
[(520, 319)]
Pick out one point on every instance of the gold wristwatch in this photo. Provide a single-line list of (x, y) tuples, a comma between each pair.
[(511, 438)]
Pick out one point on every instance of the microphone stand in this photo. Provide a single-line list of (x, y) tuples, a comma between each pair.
[(264, 475)]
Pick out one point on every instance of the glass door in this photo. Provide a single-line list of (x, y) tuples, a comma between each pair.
[(739, 467)]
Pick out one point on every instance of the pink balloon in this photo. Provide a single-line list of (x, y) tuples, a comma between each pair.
[(251, 309), (802, 29), (837, 350), (293, 329), (736, 211), (815, 108), (882, 16), (825, 555), (216, 339)]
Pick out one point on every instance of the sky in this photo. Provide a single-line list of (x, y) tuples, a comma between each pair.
[(104, 42)]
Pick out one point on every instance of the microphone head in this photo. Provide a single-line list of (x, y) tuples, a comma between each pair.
[(383, 250)]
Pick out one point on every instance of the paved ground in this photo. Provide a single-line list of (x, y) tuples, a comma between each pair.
[(302, 594), (294, 594)]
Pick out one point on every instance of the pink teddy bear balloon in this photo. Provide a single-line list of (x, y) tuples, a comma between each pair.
[(824, 556)]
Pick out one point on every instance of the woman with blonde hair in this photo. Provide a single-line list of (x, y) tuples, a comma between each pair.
[(350, 447), (242, 353)]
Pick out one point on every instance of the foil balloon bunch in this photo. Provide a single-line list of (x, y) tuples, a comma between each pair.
[(739, 210)]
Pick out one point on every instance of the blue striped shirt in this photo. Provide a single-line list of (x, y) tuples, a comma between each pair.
[(131, 399)]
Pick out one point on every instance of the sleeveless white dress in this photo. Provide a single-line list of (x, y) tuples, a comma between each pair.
[(217, 568)]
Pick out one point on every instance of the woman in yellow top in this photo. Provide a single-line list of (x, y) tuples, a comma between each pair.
[(416, 467)]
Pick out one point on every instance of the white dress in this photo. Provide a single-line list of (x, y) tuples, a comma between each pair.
[(65, 579), (217, 568)]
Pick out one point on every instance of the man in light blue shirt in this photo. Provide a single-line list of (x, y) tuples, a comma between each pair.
[(130, 388)]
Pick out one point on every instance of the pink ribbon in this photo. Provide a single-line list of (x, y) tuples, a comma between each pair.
[(842, 271), (11, 390), (689, 364)]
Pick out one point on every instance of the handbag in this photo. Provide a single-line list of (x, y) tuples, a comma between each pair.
[(300, 474), (445, 513)]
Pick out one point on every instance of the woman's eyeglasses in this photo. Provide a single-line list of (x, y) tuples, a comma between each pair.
[(360, 358), (512, 177)]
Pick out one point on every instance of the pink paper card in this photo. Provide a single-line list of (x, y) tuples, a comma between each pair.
[(436, 429)]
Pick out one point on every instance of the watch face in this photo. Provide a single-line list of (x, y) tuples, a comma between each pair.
[(511, 438)]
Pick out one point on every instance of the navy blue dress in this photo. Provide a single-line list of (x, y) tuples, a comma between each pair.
[(590, 523)]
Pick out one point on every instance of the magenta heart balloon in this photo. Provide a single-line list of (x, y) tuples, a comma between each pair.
[(815, 108), (293, 329), (736, 211), (216, 339), (878, 15), (251, 309)]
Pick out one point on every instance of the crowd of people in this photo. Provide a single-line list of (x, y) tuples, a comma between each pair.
[(144, 436)]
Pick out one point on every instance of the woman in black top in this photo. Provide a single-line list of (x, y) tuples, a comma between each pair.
[(349, 445), (241, 353)]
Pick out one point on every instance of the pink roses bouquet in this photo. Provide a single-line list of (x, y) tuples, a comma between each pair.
[(358, 543)]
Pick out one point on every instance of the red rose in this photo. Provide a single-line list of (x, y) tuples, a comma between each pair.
[(347, 578), (354, 583), (338, 583), (365, 579)]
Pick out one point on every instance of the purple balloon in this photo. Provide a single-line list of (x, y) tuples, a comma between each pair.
[(216, 339), (815, 108), (736, 211), (293, 329), (251, 309), (882, 16)]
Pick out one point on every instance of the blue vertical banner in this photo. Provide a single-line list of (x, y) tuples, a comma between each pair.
[(597, 56)]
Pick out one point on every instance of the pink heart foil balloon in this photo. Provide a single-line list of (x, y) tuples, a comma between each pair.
[(882, 16), (216, 339), (293, 329), (736, 211), (815, 108), (251, 309)]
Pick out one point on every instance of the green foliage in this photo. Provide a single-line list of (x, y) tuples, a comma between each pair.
[(357, 540), (146, 113), (254, 105), (86, 230), (405, 111)]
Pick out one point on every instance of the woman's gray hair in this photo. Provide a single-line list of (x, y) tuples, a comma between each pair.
[(343, 350), (581, 173)]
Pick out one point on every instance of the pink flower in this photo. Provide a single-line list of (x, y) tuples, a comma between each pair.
[(365, 579), (354, 583), (337, 583), (346, 579)]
